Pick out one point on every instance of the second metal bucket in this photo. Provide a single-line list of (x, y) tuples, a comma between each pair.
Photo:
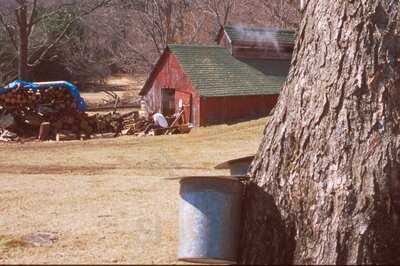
[(238, 167), (209, 219)]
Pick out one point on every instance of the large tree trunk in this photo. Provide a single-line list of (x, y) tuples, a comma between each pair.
[(325, 184)]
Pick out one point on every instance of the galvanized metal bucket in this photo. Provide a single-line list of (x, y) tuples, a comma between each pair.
[(238, 167), (209, 219)]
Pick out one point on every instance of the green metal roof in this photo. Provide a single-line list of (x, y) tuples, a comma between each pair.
[(214, 72), (246, 34), (270, 67)]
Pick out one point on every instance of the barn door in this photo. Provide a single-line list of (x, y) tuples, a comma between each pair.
[(167, 102), (185, 99)]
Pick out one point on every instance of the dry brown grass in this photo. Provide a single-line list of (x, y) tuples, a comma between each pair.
[(108, 200)]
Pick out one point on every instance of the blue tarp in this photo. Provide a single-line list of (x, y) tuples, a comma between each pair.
[(80, 102)]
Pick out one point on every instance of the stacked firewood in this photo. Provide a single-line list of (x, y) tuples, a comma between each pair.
[(21, 98), (30, 109)]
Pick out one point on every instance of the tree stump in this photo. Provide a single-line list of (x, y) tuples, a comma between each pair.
[(44, 131)]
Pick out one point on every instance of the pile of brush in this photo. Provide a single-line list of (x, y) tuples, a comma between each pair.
[(140, 126)]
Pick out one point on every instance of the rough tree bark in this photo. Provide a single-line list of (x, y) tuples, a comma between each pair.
[(325, 184)]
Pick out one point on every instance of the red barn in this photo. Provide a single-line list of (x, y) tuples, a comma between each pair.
[(214, 86)]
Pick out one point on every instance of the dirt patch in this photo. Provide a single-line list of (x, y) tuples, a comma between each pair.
[(7, 244)]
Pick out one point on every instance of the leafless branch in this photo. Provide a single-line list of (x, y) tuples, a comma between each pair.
[(65, 31), (9, 31)]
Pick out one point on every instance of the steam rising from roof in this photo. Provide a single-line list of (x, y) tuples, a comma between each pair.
[(261, 37)]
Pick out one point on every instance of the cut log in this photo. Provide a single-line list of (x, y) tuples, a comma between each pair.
[(44, 131)]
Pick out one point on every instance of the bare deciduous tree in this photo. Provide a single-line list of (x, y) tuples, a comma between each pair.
[(21, 18), (170, 21), (285, 13), (221, 10)]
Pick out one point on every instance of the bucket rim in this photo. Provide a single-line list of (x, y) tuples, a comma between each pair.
[(231, 177), (216, 261), (226, 164)]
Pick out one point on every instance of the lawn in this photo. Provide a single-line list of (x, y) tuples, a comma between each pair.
[(107, 200)]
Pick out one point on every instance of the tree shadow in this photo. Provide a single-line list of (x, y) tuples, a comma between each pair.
[(245, 119), (265, 239)]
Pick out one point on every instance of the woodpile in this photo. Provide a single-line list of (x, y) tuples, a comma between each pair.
[(52, 114), (53, 111), (21, 98)]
